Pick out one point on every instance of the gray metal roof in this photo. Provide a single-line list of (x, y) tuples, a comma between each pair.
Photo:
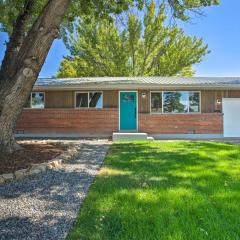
[(111, 82)]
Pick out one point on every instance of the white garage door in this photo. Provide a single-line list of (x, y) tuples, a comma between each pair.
[(231, 118)]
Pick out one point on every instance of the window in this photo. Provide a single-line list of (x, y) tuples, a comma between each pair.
[(128, 98), (194, 102), (36, 100), (175, 102), (156, 102), (81, 100), (95, 100), (89, 99)]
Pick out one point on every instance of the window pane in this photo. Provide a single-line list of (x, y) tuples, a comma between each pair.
[(176, 102), (95, 100), (28, 103), (128, 98), (194, 102), (82, 100), (156, 102), (37, 100)]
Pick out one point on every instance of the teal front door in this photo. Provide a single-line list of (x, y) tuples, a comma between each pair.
[(128, 111)]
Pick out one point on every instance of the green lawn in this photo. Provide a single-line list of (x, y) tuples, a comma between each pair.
[(164, 190)]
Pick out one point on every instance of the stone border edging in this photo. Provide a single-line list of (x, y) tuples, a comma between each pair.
[(34, 169)]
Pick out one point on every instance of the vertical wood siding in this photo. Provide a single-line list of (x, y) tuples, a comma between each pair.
[(65, 99), (110, 99), (59, 99)]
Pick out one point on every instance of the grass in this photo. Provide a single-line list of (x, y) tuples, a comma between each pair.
[(164, 190)]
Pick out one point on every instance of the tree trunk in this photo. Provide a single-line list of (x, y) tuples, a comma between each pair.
[(28, 63), (13, 47)]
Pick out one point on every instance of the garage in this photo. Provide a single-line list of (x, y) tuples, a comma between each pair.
[(231, 118)]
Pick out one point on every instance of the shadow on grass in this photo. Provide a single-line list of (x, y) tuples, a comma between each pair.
[(164, 190)]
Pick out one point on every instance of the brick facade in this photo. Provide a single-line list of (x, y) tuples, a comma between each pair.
[(105, 122), (205, 123), (73, 121)]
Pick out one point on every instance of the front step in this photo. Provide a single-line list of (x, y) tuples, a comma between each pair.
[(120, 136)]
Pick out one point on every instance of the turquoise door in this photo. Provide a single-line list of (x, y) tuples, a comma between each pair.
[(128, 111)]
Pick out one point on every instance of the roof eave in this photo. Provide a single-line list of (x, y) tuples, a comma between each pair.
[(138, 87)]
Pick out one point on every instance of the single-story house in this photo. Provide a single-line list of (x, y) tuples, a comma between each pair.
[(159, 106)]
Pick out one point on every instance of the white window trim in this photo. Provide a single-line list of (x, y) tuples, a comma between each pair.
[(200, 102), (75, 100), (31, 101)]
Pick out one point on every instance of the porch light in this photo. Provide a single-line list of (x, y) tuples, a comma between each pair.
[(144, 95), (218, 102)]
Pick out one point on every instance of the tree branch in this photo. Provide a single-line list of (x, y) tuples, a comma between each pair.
[(15, 41)]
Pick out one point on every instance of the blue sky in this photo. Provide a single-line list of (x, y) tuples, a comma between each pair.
[(220, 29)]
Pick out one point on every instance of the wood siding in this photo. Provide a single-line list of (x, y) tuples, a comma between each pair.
[(59, 99), (110, 99), (209, 99), (143, 102), (65, 99)]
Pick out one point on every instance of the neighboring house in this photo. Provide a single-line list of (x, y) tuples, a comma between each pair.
[(159, 106)]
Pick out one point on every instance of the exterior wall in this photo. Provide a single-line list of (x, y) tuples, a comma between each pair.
[(90, 121), (208, 123), (209, 98), (143, 103), (59, 99), (65, 99), (60, 116), (110, 99)]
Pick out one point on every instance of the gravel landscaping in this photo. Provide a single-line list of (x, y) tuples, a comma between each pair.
[(45, 206)]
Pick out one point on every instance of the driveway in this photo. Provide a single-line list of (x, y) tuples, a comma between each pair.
[(45, 206)]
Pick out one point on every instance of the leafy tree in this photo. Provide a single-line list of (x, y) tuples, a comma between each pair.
[(32, 26), (142, 48)]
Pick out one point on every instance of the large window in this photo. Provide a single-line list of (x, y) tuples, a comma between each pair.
[(36, 100), (175, 102), (89, 99)]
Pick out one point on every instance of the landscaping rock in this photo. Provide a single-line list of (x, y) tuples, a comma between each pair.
[(56, 163), (8, 177), (71, 153), (2, 180), (66, 156), (38, 167), (19, 174), (34, 171)]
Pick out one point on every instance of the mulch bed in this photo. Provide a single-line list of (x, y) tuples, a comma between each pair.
[(33, 152)]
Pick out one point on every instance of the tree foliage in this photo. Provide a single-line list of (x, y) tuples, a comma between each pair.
[(145, 47), (10, 9)]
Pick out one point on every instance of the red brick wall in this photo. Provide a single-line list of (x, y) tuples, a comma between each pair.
[(105, 121), (89, 121), (206, 123)]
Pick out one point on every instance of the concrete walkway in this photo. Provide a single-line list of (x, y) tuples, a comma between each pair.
[(45, 206)]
